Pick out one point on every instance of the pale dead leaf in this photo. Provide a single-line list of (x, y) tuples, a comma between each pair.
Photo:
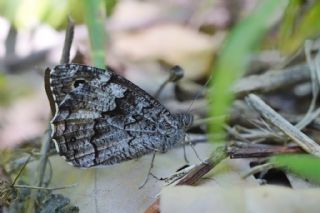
[(115, 188), (229, 173), (263, 199), (299, 183), (171, 43), (131, 14)]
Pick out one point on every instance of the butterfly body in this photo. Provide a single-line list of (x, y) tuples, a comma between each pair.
[(101, 118)]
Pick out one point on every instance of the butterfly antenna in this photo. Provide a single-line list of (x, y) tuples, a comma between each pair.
[(196, 96), (22, 168), (176, 73)]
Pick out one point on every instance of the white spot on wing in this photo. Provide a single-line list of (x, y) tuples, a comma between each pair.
[(105, 77), (56, 145)]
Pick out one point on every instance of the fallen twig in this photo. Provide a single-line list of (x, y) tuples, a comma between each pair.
[(272, 80), (261, 151), (259, 168), (288, 129)]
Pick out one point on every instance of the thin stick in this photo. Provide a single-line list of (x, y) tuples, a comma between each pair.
[(44, 157), (256, 169), (314, 75), (45, 188), (46, 141), (277, 120), (41, 169), (261, 151), (65, 57), (272, 80), (22, 168)]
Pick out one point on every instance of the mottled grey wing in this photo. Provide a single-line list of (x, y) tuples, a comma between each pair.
[(100, 118)]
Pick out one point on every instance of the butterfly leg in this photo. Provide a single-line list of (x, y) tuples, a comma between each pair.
[(196, 153), (194, 150), (149, 171), (185, 154)]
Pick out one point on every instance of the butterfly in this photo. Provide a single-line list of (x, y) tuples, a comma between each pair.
[(101, 118)]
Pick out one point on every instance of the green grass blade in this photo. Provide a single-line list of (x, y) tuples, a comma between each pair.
[(232, 62), (95, 17), (304, 165)]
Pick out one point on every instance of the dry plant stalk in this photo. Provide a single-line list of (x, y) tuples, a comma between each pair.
[(271, 116)]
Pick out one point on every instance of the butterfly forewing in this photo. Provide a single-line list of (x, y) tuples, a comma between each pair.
[(101, 118)]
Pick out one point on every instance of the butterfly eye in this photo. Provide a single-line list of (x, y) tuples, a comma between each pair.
[(78, 82)]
